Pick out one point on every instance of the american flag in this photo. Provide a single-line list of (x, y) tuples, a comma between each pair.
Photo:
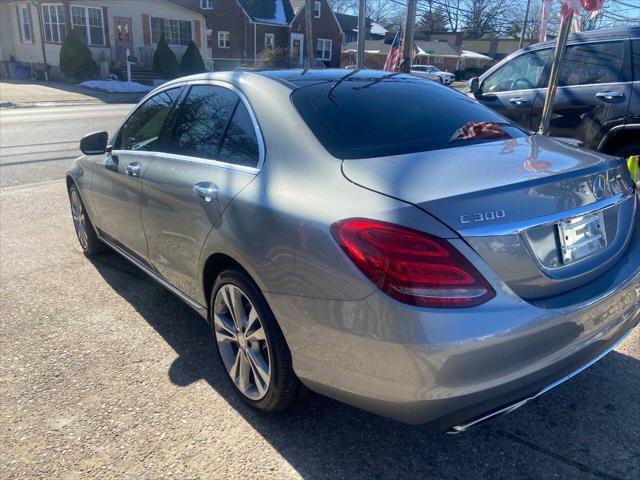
[(393, 59)]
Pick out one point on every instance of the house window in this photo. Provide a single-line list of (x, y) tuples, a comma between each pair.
[(206, 4), (176, 32), (223, 40), (323, 49), (438, 60), (316, 9), (87, 21), (269, 40), (53, 21), (25, 23)]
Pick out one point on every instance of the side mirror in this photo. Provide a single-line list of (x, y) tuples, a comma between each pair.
[(94, 143), (474, 85)]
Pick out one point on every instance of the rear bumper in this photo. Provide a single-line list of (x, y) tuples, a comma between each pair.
[(452, 367), (510, 407)]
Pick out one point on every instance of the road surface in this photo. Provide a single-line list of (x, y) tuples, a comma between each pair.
[(104, 374), (38, 144)]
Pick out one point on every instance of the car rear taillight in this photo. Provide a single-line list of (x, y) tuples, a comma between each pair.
[(411, 266)]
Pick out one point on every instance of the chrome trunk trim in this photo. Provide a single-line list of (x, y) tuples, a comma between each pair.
[(521, 226)]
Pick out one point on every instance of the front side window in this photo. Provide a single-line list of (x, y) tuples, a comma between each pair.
[(524, 72), (53, 22), (269, 41), (366, 116), (87, 21), (223, 40), (202, 121), (142, 129), (240, 143), (323, 49), (176, 32), (317, 6), (592, 63), (25, 23)]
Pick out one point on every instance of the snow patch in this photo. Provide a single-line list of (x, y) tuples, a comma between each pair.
[(115, 86)]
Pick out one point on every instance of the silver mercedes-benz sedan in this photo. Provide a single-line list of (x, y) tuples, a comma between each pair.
[(375, 237)]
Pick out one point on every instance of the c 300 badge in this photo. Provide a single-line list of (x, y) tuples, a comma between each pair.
[(482, 216)]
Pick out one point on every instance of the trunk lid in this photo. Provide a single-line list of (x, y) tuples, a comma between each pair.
[(518, 203)]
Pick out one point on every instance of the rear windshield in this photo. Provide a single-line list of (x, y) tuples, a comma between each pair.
[(363, 118)]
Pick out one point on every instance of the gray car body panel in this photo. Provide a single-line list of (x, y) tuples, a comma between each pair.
[(348, 339)]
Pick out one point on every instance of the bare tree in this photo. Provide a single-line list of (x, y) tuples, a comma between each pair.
[(484, 17), (454, 14), (343, 6)]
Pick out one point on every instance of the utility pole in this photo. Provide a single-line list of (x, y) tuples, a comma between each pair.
[(407, 42), (311, 50), (524, 25), (362, 33)]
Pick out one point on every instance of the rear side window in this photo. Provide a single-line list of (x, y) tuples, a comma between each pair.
[(635, 55), (362, 118), (202, 121), (592, 63), (142, 129), (240, 143)]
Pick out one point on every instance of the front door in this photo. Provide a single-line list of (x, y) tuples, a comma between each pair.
[(212, 155), (594, 92), (124, 38), (513, 89), (117, 180), (296, 48)]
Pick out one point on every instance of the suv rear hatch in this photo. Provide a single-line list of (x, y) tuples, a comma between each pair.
[(546, 216)]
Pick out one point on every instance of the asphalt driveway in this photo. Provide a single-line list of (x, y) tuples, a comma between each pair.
[(104, 374)]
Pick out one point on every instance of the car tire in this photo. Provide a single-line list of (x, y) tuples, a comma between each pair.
[(89, 241), (628, 150), (440, 80), (247, 349)]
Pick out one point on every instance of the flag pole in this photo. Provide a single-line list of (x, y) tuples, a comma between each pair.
[(561, 42)]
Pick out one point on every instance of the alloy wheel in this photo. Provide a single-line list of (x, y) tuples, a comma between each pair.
[(79, 219), (242, 342)]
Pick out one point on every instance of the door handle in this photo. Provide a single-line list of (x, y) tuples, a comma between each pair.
[(133, 169), (609, 95), (520, 101), (206, 191)]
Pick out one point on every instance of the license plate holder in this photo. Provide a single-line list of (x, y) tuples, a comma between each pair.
[(582, 236)]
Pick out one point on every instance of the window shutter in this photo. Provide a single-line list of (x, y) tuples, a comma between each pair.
[(19, 22), (105, 25), (146, 33), (198, 33)]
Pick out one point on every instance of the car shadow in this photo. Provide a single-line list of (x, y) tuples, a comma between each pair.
[(585, 428)]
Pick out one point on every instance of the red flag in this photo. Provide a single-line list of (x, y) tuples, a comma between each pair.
[(574, 6)]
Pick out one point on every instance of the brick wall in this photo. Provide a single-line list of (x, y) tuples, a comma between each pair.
[(324, 27)]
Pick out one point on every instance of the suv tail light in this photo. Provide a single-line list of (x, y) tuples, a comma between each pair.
[(411, 266)]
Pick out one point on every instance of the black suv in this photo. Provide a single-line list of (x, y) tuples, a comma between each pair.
[(598, 95)]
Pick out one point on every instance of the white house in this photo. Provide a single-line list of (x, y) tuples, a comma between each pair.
[(32, 31)]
